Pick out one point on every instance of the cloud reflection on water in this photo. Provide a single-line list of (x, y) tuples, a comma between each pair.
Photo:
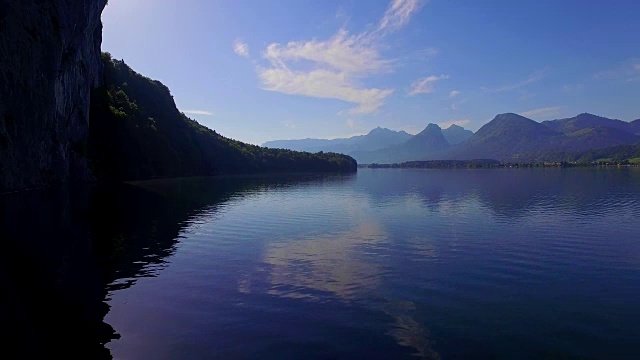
[(342, 266)]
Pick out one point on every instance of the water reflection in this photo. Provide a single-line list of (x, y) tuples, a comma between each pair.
[(298, 268), (510, 194), (65, 249), (342, 266), (408, 331), (332, 262), (264, 257)]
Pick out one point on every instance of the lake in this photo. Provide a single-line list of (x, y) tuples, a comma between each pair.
[(382, 264)]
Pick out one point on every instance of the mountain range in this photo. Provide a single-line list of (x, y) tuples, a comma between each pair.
[(382, 144), (511, 137), (430, 142), (376, 139), (508, 137)]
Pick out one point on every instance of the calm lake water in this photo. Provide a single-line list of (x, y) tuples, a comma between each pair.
[(382, 264)]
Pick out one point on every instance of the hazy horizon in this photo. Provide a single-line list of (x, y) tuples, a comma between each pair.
[(419, 130)]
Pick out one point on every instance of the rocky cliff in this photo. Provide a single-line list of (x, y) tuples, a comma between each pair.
[(49, 61)]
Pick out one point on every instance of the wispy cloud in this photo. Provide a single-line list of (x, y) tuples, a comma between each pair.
[(289, 124), (334, 68), (349, 54), (448, 123), (456, 104), (425, 85), (629, 70), (398, 14), (241, 48), (351, 123), (454, 93), (542, 113), (198, 112), (341, 13), (532, 78)]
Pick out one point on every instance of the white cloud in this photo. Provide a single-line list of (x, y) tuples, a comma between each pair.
[(323, 84), (454, 93), (532, 78), (342, 52), (198, 112), (447, 124), (542, 112), (241, 48), (334, 68), (425, 85), (398, 14)]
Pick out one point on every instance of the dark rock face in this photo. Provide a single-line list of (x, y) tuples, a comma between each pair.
[(49, 61)]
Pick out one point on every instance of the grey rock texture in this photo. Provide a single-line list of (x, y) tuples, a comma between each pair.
[(49, 61)]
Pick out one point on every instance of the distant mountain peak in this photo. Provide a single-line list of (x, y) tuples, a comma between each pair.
[(456, 134), (430, 129), (379, 129), (587, 115), (510, 116), (585, 121), (384, 131), (377, 138), (510, 120)]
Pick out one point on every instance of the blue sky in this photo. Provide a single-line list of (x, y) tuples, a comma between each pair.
[(283, 69)]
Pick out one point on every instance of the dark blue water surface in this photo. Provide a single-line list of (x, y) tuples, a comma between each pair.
[(382, 264)]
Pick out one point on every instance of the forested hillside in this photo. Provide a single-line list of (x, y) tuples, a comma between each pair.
[(137, 132), (511, 137)]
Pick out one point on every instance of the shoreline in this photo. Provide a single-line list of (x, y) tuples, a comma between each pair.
[(491, 164)]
